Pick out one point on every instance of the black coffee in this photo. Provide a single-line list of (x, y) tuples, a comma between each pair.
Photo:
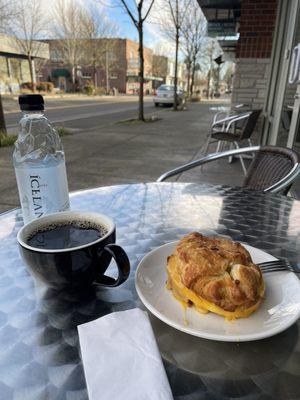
[(66, 235)]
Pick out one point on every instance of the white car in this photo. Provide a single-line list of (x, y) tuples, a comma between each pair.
[(165, 95)]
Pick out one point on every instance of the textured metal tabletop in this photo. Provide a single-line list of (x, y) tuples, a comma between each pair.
[(39, 350)]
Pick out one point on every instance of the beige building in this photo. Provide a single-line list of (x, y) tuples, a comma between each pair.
[(181, 75), (14, 65)]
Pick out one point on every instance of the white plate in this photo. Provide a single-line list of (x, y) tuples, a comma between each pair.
[(279, 310)]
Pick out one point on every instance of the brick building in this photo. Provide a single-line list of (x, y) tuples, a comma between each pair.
[(118, 69), (253, 52), (261, 36), (132, 62)]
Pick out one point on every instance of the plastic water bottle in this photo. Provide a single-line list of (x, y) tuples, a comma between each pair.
[(39, 162)]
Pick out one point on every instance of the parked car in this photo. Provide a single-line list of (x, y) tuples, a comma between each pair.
[(165, 95)]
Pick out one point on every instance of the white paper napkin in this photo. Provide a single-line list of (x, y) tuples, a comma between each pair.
[(121, 359)]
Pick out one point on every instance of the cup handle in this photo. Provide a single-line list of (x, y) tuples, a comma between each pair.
[(123, 265)]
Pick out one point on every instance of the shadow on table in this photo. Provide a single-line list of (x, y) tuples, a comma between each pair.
[(229, 370)]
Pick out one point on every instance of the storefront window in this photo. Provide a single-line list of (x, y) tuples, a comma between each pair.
[(284, 131)]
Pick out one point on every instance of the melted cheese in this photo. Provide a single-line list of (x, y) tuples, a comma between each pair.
[(185, 296)]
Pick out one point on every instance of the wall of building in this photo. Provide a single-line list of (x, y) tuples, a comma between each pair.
[(257, 24), (123, 73), (250, 81), (132, 59), (14, 66)]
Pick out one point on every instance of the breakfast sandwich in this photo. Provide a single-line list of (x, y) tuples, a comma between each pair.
[(215, 274)]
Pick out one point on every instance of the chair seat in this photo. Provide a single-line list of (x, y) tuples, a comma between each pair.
[(226, 136)]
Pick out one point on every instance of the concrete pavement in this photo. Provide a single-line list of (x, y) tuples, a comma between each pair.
[(125, 153)]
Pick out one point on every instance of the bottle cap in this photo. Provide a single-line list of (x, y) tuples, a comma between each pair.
[(31, 102)]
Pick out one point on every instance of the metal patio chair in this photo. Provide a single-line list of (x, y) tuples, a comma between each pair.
[(273, 169), (233, 129), (237, 109)]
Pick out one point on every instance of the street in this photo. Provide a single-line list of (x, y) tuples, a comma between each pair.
[(84, 114), (101, 152)]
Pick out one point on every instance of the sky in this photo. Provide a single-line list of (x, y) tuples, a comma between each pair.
[(116, 14), (113, 10)]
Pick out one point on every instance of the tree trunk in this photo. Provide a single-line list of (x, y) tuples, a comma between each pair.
[(209, 73), (2, 120), (175, 106), (95, 78), (193, 76), (31, 73), (208, 83), (188, 66), (95, 71), (106, 72), (73, 78), (141, 72), (218, 79)]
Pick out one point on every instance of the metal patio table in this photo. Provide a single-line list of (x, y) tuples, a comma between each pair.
[(39, 350)]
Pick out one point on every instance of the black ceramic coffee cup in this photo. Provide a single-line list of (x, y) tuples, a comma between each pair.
[(76, 267)]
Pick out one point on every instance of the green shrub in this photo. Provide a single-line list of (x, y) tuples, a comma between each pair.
[(88, 89), (62, 131), (41, 87), (44, 87), (7, 140)]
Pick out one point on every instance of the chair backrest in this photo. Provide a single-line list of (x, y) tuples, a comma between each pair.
[(270, 165), (249, 124)]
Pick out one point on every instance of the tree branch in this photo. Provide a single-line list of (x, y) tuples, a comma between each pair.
[(149, 9), (172, 13), (130, 13)]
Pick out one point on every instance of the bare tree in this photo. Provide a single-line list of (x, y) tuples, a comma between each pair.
[(69, 28), (213, 66), (29, 25), (228, 74), (159, 66), (138, 12), (6, 13), (100, 46), (210, 51), (193, 38), (174, 12)]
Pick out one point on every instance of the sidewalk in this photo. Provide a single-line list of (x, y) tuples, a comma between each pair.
[(125, 153)]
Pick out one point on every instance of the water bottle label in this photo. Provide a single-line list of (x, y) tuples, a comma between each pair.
[(42, 190)]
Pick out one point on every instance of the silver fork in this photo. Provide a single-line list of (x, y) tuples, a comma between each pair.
[(277, 265)]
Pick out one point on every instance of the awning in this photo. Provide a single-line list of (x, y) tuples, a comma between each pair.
[(222, 17), (60, 72)]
